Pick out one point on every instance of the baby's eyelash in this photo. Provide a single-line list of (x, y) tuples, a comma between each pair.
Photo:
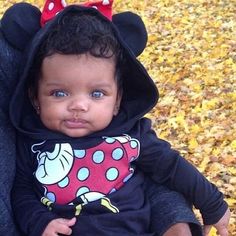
[(97, 94), (59, 93)]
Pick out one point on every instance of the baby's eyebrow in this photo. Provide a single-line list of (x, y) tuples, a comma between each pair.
[(101, 85), (94, 85), (52, 84)]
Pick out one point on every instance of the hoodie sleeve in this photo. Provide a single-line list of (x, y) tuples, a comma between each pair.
[(166, 166), (24, 200)]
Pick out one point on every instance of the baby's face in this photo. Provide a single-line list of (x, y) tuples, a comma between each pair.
[(77, 95)]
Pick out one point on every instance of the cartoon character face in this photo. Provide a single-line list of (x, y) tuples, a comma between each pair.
[(54, 166), (90, 173)]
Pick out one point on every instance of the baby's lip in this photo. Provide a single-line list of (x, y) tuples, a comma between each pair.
[(75, 123)]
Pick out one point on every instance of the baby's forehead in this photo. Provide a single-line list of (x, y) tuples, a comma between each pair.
[(79, 66), (86, 57)]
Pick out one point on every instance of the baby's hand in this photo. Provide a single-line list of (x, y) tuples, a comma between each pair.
[(59, 226), (221, 225)]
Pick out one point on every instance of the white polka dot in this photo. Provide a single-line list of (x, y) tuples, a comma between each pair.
[(112, 174), (94, 7), (83, 174), (134, 144), (105, 2), (117, 154), (110, 140), (51, 196), (64, 182), (50, 6), (80, 153), (63, 3), (82, 191), (98, 157)]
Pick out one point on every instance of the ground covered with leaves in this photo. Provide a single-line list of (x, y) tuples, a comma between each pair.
[(191, 55)]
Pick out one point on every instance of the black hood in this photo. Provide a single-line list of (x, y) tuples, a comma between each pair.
[(139, 91)]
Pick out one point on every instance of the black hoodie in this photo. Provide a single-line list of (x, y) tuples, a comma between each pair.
[(116, 204)]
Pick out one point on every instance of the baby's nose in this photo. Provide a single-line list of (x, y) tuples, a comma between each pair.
[(79, 103)]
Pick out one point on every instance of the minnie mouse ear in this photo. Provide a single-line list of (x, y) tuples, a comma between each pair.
[(22, 20), (19, 24), (132, 31)]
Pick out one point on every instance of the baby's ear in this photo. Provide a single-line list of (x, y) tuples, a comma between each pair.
[(20, 23), (132, 31)]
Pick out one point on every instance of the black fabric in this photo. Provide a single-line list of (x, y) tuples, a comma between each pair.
[(10, 59), (168, 208), (19, 24), (131, 28)]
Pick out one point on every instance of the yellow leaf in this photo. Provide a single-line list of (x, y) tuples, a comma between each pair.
[(230, 201), (233, 144), (216, 151), (204, 164), (195, 129), (192, 144), (213, 232), (160, 59), (152, 38), (232, 180), (210, 104), (232, 170)]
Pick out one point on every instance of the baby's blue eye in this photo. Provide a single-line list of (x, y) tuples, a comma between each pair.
[(59, 94), (97, 94)]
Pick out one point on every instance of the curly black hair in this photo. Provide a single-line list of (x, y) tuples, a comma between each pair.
[(76, 34)]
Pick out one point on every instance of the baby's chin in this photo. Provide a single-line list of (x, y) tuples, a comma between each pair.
[(77, 133)]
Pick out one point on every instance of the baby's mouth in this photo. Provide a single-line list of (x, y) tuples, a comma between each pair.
[(76, 123)]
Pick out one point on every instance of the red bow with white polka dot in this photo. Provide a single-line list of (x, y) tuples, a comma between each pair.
[(53, 7)]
